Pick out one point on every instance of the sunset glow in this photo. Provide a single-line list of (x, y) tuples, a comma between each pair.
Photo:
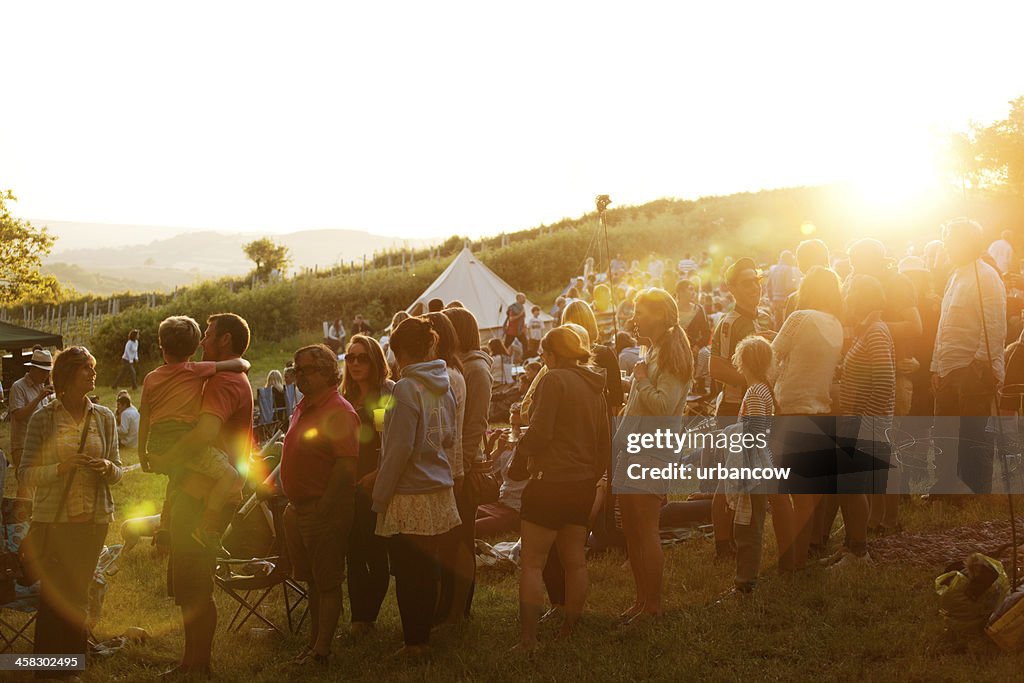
[(432, 120)]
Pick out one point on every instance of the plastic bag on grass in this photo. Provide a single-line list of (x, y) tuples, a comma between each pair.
[(501, 554), (970, 591)]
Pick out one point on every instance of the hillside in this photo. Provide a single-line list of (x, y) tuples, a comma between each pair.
[(105, 281), (172, 261), (540, 260)]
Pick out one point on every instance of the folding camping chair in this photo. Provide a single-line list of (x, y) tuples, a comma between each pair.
[(268, 418), (249, 582), (292, 397), (15, 513)]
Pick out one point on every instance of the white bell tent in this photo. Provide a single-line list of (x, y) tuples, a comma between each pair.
[(483, 293)]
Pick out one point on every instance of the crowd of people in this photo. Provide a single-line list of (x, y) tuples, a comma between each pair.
[(391, 468)]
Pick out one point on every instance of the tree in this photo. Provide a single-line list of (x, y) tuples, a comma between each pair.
[(991, 158), (1002, 148), (267, 255), (22, 248)]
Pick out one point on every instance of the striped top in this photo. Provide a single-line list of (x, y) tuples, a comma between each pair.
[(757, 409), (868, 385), (757, 401)]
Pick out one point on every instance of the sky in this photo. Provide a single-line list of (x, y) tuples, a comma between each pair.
[(432, 119)]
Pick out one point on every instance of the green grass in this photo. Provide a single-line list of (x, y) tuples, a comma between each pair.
[(878, 623)]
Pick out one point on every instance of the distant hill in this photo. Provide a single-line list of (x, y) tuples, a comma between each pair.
[(73, 235), (168, 262), (106, 281)]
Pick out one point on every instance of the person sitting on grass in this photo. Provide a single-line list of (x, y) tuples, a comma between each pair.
[(501, 516), (171, 399), (500, 358)]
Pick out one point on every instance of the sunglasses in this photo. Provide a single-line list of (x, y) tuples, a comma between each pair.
[(357, 358), (304, 369)]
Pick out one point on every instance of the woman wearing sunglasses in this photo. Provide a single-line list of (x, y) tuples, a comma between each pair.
[(366, 384)]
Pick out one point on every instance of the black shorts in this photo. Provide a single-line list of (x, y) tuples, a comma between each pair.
[(554, 505)]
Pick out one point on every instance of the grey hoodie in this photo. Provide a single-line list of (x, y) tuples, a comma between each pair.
[(477, 367), (419, 432)]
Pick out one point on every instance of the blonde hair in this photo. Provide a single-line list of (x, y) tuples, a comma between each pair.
[(753, 357), (275, 380), (580, 312), (179, 336), (674, 354), (581, 332), (565, 343), (820, 291)]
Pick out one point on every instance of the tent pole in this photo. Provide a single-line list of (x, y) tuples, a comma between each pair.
[(602, 202)]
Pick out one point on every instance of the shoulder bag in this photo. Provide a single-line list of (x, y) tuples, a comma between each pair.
[(34, 546)]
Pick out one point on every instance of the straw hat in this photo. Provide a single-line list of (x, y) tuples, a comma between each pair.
[(40, 359)]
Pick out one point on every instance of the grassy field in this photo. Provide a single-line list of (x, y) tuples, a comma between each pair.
[(876, 623)]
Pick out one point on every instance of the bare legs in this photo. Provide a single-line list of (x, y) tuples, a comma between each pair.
[(855, 519), (804, 507), (537, 542), (784, 524), (640, 523)]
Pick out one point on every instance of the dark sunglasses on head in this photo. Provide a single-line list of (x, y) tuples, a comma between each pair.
[(359, 358)]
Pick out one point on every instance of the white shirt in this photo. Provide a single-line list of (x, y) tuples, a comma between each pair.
[(686, 266), (517, 351), (131, 351), (536, 327), (1001, 252), (961, 339), (656, 269), (128, 427), (807, 351), (501, 370), (336, 333), (23, 392)]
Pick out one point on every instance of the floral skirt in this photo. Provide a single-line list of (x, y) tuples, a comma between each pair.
[(420, 514)]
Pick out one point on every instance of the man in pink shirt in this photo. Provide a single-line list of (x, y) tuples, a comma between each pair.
[(318, 474), (225, 421), (172, 398)]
